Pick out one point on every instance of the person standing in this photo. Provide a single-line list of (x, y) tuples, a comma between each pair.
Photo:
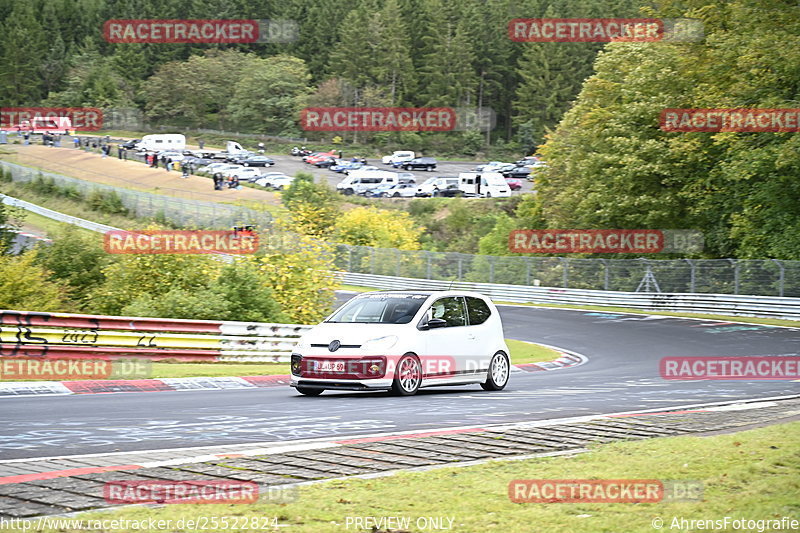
[(201, 143), (119, 151), (76, 142)]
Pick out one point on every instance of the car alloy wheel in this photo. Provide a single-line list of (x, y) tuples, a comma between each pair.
[(408, 376), (497, 375)]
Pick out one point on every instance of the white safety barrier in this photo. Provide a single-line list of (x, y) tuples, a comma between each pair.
[(719, 304)]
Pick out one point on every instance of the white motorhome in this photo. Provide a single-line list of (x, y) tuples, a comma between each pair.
[(484, 184), (163, 141)]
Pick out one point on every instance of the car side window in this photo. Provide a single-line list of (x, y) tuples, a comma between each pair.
[(477, 310), (451, 310)]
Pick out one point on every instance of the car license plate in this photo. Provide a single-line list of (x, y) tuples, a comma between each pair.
[(330, 366)]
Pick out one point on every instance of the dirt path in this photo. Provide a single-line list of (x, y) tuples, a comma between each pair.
[(131, 175)]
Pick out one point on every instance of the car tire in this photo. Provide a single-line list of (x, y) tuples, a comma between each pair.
[(308, 391), (498, 373), (348, 192), (408, 376), (246, 164), (396, 195), (429, 168)]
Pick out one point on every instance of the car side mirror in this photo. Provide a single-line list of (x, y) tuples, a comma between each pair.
[(434, 323)]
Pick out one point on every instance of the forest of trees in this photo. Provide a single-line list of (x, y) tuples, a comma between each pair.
[(591, 109), (453, 53)]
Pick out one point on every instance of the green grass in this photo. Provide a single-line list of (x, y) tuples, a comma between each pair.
[(751, 475), (751, 320), (528, 352), (47, 225), (193, 370)]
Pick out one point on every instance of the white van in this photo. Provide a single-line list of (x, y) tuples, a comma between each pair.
[(164, 141), (359, 181), (484, 184)]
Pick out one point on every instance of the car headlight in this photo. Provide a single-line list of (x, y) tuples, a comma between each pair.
[(379, 344)]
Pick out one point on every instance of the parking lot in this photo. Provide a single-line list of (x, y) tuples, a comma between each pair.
[(290, 165)]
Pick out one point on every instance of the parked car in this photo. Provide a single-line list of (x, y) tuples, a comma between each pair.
[(343, 166), (429, 186), (198, 162), (401, 190), (514, 184), (419, 163), (520, 173), (401, 341), (229, 170), (265, 180), (246, 174), (266, 175), (495, 166), (398, 157), (364, 167), (327, 162), (213, 168), (319, 156), (281, 182), (171, 155), (253, 161), (130, 145)]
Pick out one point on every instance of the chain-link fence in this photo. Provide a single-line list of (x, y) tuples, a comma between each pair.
[(180, 212), (767, 277)]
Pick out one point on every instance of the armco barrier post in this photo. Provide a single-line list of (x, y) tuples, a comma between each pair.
[(781, 276), (692, 275)]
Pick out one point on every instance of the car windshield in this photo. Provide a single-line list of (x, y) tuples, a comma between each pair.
[(380, 309)]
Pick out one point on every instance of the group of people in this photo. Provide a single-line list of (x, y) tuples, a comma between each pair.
[(220, 182), (48, 139)]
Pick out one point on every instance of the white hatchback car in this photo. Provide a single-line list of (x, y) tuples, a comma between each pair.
[(403, 340)]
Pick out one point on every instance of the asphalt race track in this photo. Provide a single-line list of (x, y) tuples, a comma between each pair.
[(622, 374)]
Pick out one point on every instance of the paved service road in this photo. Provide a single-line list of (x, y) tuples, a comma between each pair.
[(621, 375)]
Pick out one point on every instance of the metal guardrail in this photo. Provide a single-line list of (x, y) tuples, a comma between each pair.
[(763, 277), (180, 211), (55, 215), (722, 304), (63, 335)]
